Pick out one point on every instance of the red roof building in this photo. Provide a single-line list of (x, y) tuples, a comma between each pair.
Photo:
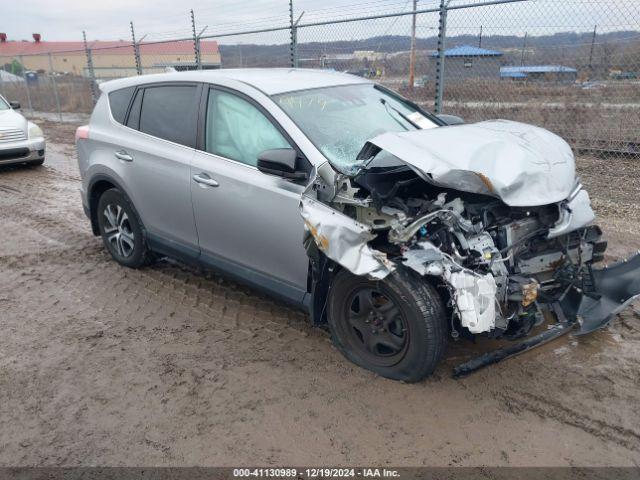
[(111, 59)]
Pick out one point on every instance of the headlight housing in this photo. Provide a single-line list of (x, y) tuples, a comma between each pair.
[(35, 131)]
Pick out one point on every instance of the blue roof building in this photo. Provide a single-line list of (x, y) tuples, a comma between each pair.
[(539, 72), (468, 62), (469, 51)]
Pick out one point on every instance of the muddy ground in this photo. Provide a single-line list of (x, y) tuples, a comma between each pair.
[(102, 365)]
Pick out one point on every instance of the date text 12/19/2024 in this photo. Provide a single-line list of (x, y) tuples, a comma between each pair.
[(315, 473)]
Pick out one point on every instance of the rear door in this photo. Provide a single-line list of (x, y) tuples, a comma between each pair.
[(156, 153), (248, 222)]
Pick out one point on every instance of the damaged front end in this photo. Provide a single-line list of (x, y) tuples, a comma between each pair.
[(492, 213)]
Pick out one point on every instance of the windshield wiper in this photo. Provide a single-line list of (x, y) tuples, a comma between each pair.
[(402, 115)]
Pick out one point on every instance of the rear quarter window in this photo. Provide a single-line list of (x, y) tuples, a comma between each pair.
[(170, 112), (119, 103)]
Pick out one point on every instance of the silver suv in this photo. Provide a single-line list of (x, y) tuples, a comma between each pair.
[(396, 227)]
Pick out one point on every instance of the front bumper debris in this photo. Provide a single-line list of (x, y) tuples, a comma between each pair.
[(582, 309), (613, 288), (489, 358)]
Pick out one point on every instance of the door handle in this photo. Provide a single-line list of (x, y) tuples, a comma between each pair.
[(124, 156), (204, 179)]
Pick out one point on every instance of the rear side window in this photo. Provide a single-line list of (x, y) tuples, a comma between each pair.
[(170, 112), (119, 102)]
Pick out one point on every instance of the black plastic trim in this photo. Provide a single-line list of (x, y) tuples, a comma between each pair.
[(240, 273)]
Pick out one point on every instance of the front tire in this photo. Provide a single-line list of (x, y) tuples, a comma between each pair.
[(394, 327), (121, 230)]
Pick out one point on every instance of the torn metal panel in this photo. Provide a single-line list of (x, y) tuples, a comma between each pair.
[(426, 260), (474, 295), (521, 164), (574, 214), (344, 240)]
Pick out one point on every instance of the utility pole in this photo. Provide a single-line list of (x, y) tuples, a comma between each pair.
[(136, 50), (412, 55), (593, 43), (524, 46), (480, 38)]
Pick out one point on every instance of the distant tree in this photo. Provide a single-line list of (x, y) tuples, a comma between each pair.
[(16, 68)]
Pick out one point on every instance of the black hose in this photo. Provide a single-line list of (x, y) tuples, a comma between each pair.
[(523, 239)]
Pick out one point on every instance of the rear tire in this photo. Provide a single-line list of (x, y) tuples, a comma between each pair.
[(121, 230), (394, 327)]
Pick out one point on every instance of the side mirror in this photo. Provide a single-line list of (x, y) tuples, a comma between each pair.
[(15, 105), (450, 119), (281, 162)]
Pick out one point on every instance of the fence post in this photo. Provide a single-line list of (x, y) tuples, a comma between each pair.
[(442, 34), (55, 86), (91, 71), (196, 42), (2, 69), (136, 50), (294, 35), (26, 83), (412, 54)]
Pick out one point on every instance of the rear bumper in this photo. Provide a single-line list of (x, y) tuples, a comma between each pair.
[(22, 151)]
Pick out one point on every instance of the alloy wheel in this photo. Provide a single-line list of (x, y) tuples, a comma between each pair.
[(118, 231)]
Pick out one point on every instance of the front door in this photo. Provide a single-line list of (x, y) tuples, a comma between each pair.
[(248, 222)]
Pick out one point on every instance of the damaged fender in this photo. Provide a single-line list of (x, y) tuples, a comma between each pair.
[(344, 240)]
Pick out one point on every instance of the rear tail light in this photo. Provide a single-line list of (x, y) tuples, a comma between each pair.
[(82, 133)]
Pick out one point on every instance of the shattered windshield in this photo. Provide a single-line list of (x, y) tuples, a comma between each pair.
[(339, 120)]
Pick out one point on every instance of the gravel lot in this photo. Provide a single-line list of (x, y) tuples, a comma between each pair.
[(102, 365)]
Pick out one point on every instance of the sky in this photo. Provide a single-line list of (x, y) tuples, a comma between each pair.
[(165, 19)]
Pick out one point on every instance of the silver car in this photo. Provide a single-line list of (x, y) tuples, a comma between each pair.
[(21, 141), (395, 227)]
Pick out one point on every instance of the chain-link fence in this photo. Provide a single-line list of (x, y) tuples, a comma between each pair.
[(571, 66)]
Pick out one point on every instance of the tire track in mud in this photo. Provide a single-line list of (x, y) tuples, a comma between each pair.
[(76, 245), (517, 400)]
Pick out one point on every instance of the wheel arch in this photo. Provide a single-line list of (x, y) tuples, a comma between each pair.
[(99, 184), (321, 272)]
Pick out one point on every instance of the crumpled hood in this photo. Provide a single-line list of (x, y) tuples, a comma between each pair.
[(519, 163), (12, 119)]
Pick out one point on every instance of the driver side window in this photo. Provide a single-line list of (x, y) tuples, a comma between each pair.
[(238, 130)]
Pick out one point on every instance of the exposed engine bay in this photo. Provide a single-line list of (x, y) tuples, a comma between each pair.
[(499, 263)]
